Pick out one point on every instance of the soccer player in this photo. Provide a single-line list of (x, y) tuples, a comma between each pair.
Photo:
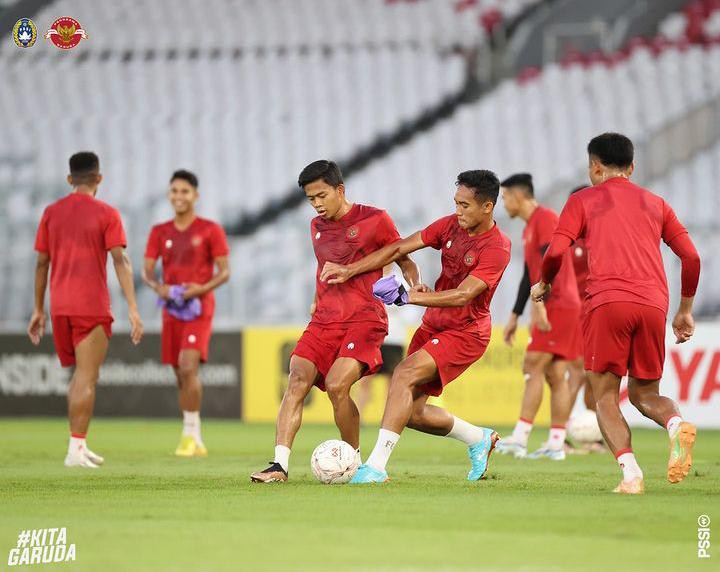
[(456, 326), (191, 248), (627, 300), (73, 239), (342, 342), (554, 326)]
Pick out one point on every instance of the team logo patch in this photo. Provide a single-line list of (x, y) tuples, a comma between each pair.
[(435, 341), (168, 243), (24, 33), (448, 244), (351, 346), (578, 252), (353, 231), (65, 33), (197, 240), (469, 259), (317, 236), (192, 338)]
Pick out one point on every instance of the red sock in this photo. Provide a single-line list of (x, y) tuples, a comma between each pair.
[(78, 435)]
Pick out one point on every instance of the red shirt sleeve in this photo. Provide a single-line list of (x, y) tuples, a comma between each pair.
[(386, 231), (433, 235), (114, 231), (41, 238), (572, 219), (672, 227), (684, 248), (491, 265), (152, 250), (218, 242)]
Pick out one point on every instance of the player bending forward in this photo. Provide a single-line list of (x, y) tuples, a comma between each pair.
[(73, 239), (627, 300), (190, 248), (342, 342), (456, 326)]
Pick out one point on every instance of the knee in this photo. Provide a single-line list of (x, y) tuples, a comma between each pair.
[(186, 372), (404, 377), (532, 366), (337, 389), (635, 397)]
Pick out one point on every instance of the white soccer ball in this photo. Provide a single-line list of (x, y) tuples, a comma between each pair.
[(584, 427), (334, 462)]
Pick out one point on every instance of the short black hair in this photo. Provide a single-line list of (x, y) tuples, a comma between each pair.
[(523, 180), (184, 175), (84, 167), (323, 169), (578, 188), (612, 149), (485, 184)]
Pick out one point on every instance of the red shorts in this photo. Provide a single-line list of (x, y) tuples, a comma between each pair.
[(69, 331), (564, 340), (452, 350), (625, 337), (178, 335), (323, 346)]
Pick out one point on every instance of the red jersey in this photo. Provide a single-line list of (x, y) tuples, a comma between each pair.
[(77, 231), (538, 233), (361, 231), (622, 225), (580, 263), (189, 255), (484, 256)]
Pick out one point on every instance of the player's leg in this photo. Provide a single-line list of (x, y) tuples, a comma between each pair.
[(89, 355), (560, 405), (645, 396), (588, 396), (190, 399), (576, 379), (301, 378), (534, 367), (364, 393), (647, 355), (343, 374), (615, 430)]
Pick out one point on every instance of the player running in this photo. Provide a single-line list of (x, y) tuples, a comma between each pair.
[(342, 342), (190, 248), (555, 336), (627, 300), (456, 326), (73, 238)]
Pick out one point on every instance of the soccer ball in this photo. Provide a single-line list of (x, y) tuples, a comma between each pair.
[(334, 462), (584, 427)]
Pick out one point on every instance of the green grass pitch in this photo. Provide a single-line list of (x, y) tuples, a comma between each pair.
[(145, 510)]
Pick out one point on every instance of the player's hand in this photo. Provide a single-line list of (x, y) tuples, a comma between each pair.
[(683, 326), (510, 329), (193, 290), (136, 327), (163, 290), (333, 273), (420, 288), (36, 328), (539, 291)]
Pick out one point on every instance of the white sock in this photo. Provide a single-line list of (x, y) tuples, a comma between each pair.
[(556, 439), (282, 456), (465, 432), (383, 447), (77, 445), (522, 430), (629, 466), (191, 425), (673, 425)]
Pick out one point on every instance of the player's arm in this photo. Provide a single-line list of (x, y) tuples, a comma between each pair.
[(411, 272), (124, 272), (219, 278), (150, 278), (684, 324), (520, 301), (338, 273), (36, 328), (465, 292)]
